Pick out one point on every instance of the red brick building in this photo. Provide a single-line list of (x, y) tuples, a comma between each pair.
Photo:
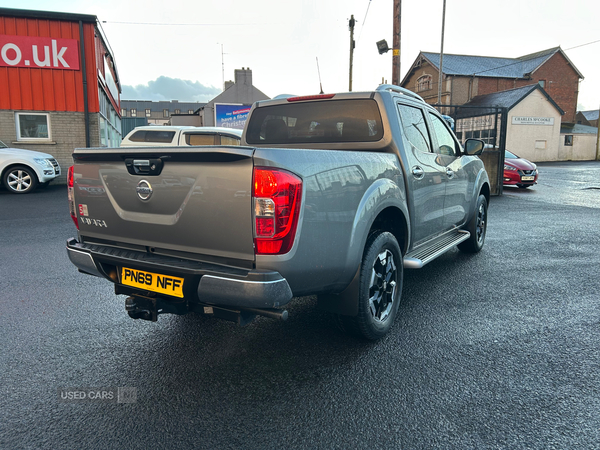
[(59, 85), (465, 77)]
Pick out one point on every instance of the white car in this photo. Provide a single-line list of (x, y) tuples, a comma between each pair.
[(22, 171)]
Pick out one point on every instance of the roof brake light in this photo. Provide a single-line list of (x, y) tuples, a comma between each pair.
[(310, 97)]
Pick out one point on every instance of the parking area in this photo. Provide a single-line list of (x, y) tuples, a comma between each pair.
[(496, 350)]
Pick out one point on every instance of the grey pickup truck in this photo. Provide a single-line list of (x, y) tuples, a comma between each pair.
[(330, 195)]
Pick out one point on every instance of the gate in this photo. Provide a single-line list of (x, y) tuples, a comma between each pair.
[(485, 123)]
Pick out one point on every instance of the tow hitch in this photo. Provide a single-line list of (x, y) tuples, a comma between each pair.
[(148, 308)]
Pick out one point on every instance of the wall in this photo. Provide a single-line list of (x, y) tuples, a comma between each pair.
[(67, 130), (36, 89), (242, 92), (583, 148), (561, 83), (430, 95), (521, 139), (192, 120)]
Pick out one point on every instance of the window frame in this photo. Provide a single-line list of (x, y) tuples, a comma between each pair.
[(424, 83), (434, 133), (569, 140), (426, 138), (27, 138)]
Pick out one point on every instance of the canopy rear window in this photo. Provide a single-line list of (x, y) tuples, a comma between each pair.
[(324, 121), (164, 137)]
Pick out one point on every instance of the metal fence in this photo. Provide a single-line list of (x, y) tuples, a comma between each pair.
[(485, 123)]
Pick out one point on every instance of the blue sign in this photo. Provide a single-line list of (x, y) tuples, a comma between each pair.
[(231, 116)]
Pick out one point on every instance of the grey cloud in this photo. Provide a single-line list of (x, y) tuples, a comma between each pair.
[(166, 88)]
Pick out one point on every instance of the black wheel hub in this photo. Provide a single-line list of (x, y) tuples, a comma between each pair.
[(382, 290)]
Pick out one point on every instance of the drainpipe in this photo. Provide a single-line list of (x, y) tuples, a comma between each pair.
[(598, 140), (85, 90)]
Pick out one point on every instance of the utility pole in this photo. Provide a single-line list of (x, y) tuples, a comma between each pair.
[(396, 43), (222, 67), (598, 138), (441, 57), (351, 26)]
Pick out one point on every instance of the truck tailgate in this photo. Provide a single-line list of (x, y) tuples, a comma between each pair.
[(179, 200)]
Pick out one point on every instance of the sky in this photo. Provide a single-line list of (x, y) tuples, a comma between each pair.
[(183, 50)]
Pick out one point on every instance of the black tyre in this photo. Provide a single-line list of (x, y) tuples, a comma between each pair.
[(20, 180), (477, 226), (380, 288)]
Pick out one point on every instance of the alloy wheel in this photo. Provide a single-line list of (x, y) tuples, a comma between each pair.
[(383, 286), (19, 180)]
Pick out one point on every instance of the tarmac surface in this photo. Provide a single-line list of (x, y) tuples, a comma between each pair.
[(496, 350)]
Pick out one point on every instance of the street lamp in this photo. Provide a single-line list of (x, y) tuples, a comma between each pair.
[(382, 47)]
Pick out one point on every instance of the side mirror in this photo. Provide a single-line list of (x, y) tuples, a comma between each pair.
[(474, 147)]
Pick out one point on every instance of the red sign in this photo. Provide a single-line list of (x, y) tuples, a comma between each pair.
[(39, 52)]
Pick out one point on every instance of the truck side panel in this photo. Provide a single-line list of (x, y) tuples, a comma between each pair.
[(343, 192)]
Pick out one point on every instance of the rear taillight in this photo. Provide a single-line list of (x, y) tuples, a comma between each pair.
[(277, 195), (70, 188)]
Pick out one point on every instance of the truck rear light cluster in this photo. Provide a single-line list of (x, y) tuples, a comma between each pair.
[(70, 187), (277, 196)]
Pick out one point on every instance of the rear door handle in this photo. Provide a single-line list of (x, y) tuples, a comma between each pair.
[(418, 172)]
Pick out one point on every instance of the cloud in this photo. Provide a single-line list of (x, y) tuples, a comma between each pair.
[(166, 88)]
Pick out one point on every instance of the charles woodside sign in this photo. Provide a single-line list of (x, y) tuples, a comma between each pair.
[(526, 120)]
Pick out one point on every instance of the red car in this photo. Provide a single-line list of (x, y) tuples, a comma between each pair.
[(519, 171)]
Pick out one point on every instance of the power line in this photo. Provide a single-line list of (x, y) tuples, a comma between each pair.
[(179, 24), (582, 45), (362, 27)]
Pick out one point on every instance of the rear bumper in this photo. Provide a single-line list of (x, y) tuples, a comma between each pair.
[(204, 283)]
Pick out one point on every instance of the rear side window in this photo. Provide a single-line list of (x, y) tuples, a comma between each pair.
[(316, 122), (415, 130), (163, 137), (200, 139), (230, 140)]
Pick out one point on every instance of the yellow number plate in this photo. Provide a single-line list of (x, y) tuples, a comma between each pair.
[(155, 282)]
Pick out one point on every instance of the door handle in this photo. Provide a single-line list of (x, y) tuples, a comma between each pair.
[(418, 172), (449, 172)]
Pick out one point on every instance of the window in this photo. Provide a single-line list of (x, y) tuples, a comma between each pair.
[(445, 140), (415, 129), (569, 140), (200, 139), (133, 112), (177, 111), (162, 137), (165, 113), (190, 111), (123, 112), (424, 83), (148, 112), (33, 126), (109, 122), (329, 121), (230, 140)]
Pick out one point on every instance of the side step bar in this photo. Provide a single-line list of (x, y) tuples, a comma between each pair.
[(421, 256)]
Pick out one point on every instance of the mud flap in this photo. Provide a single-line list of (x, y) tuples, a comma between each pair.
[(345, 303)]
